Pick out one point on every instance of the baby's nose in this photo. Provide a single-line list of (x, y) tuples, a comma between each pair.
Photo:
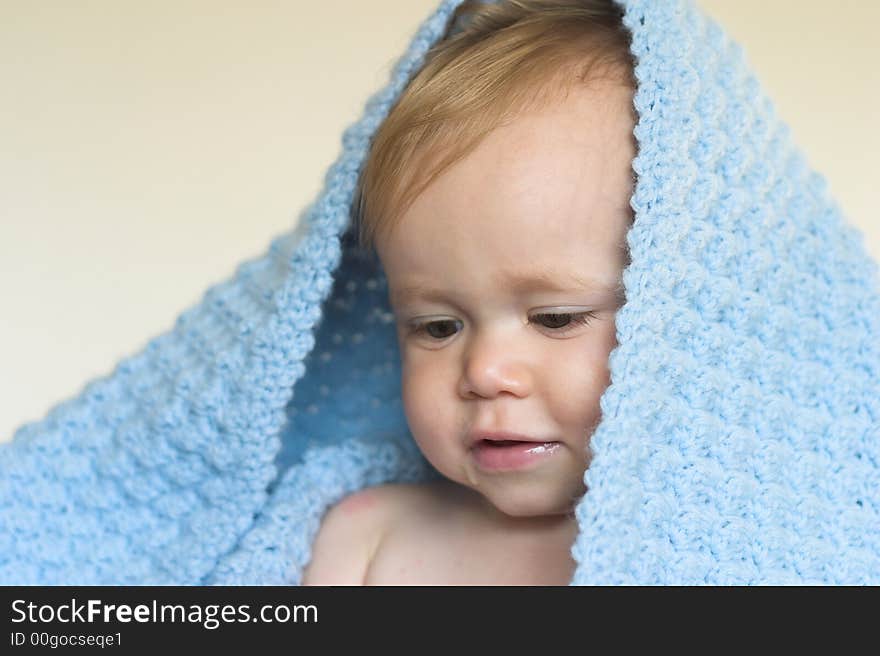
[(490, 369)]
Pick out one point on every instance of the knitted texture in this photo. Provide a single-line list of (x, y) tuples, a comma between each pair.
[(740, 434)]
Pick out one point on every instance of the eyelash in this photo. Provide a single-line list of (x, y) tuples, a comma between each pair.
[(577, 319)]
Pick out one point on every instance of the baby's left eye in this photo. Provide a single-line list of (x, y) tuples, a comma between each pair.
[(562, 322)]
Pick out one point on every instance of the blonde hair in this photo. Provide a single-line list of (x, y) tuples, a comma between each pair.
[(495, 61)]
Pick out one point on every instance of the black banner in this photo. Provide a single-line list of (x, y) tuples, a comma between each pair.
[(124, 619), (121, 618)]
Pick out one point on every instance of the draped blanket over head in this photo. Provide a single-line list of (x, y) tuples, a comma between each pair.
[(740, 434)]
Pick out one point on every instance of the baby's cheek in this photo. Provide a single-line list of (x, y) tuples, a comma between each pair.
[(578, 384), (427, 407), (594, 358), (417, 399), (423, 386)]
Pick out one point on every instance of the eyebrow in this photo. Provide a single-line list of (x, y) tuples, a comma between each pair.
[(521, 283)]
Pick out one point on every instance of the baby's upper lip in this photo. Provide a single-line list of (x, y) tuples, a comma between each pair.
[(500, 436)]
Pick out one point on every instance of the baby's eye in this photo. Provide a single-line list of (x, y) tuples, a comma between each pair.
[(439, 329), (563, 322)]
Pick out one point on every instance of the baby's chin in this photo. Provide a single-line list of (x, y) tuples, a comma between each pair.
[(529, 502)]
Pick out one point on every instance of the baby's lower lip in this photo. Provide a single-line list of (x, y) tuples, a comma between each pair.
[(509, 456)]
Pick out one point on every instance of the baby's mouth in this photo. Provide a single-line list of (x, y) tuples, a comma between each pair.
[(508, 455), (503, 443)]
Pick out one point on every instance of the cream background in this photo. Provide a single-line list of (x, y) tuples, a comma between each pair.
[(146, 148)]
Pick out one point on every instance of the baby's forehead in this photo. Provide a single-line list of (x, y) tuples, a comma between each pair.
[(566, 161), (540, 201), (407, 286), (507, 259), (517, 247)]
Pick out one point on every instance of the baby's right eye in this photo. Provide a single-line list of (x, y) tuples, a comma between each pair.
[(438, 329)]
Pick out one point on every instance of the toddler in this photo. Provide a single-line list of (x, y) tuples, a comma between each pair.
[(496, 196)]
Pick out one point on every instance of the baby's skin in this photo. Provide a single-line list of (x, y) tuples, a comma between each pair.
[(504, 277)]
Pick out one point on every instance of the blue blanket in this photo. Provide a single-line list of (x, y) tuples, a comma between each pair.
[(740, 434)]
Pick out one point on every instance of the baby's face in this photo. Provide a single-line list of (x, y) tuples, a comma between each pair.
[(531, 223)]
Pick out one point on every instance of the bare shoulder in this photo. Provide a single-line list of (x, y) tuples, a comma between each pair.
[(432, 531), (351, 531)]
